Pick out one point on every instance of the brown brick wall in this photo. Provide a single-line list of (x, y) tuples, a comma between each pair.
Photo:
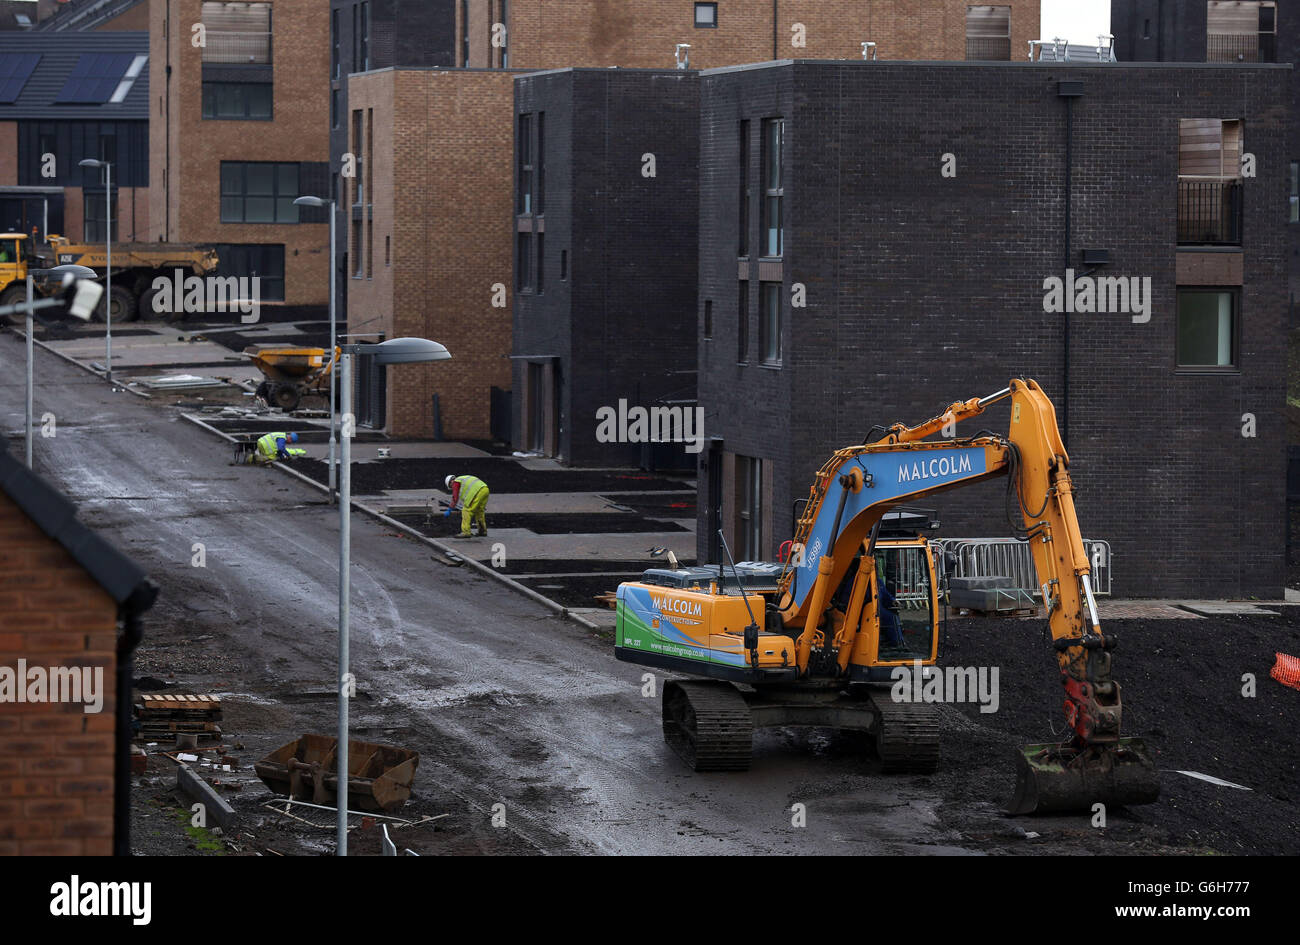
[(299, 132), (446, 152), (56, 760), (545, 35), (8, 153)]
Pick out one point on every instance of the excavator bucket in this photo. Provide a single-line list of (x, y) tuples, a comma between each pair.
[(1061, 778)]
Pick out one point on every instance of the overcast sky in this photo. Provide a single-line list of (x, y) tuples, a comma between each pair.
[(1079, 21)]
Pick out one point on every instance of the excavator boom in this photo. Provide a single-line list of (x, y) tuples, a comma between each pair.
[(862, 483)]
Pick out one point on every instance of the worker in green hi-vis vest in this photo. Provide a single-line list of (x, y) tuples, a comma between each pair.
[(471, 493)]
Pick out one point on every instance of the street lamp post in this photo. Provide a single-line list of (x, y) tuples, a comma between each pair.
[(108, 265), (330, 204), (393, 351), (81, 307)]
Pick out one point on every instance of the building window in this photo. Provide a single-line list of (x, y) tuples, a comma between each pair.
[(1209, 182), (1207, 329), (539, 203), (744, 195), (708, 318), (505, 34), (1295, 192), (96, 209), (769, 322), (541, 263), (388, 251), (258, 192), (988, 33), (334, 108), (358, 187), (523, 259), (464, 33), (370, 249), (1239, 31), (749, 509), (237, 33), (773, 194), (525, 174), (335, 59), (357, 236), (742, 323), (237, 101), (265, 262), (706, 16), (363, 61), (564, 265)]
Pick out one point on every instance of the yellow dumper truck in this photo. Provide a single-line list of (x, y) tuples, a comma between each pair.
[(135, 267)]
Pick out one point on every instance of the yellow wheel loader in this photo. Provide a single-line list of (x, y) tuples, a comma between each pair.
[(821, 642)]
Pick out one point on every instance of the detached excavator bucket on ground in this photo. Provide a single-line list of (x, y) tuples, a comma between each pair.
[(1054, 779)]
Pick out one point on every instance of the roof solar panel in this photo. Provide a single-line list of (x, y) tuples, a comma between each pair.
[(95, 77), (15, 70)]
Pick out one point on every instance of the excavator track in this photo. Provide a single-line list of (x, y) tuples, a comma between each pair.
[(907, 736), (708, 724)]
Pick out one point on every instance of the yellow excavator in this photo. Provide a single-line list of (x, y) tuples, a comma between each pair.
[(819, 641)]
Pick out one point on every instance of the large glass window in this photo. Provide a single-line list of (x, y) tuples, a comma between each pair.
[(258, 192), (1207, 329), (95, 214), (237, 101), (749, 509), (744, 195), (524, 143), (264, 261), (773, 193)]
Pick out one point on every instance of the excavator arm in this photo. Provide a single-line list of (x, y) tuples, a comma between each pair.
[(858, 485)]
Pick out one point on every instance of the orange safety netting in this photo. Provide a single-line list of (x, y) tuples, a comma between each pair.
[(1287, 670)]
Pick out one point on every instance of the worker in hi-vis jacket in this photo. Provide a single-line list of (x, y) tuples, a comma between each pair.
[(471, 494), (275, 446)]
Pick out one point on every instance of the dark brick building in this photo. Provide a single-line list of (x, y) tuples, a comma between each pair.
[(923, 288), (1235, 31), (606, 229), (431, 241)]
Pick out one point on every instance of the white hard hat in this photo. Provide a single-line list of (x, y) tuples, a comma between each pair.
[(448, 481)]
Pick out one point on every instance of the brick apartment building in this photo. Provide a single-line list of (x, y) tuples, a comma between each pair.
[(51, 117), (605, 264), (1219, 31), (70, 601), (922, 289), (450, 276), (239, 127)]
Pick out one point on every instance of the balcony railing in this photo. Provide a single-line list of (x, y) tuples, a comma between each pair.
[(989, 47), (238, 48), (1241, 47), (1209, 212)]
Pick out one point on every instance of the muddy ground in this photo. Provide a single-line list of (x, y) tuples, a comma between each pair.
[(1182, 690), (500, 473)]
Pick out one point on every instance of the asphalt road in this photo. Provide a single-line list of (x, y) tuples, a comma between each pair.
[(506, 703)]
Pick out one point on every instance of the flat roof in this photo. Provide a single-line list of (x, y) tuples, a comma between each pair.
[(986, 64)]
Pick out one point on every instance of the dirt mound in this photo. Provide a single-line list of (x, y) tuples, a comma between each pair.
[(1182, 684)]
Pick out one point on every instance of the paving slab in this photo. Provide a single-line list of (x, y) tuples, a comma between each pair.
[(1218, 608)]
